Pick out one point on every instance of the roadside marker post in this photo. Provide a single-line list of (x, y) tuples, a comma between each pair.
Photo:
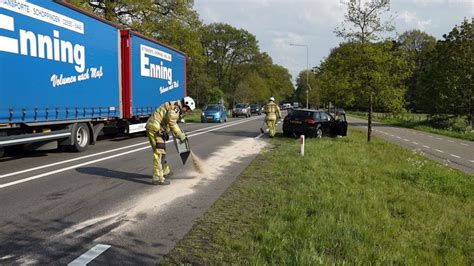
[(302, 145)]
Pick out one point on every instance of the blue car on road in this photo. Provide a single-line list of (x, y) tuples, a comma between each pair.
[(214, 113)]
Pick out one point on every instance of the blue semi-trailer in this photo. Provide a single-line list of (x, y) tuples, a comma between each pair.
[(66, 74)]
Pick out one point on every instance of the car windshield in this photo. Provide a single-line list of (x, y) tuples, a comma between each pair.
[(254, 106), (212, 108), (302, 114), (240, 106)]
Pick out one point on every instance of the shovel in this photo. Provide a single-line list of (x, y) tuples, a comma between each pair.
[(183, 148), (261, 128)]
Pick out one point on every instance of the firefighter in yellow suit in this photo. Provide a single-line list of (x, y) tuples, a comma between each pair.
[(272, 115), (163, 121)]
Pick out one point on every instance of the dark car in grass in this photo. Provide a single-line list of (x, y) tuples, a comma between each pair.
[(255, 109), (314, 123)]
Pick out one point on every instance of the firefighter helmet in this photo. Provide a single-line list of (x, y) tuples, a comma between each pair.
[(189, 102)]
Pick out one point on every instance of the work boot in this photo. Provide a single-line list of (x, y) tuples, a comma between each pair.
[(167, 172), (155, 180), (161, 183)]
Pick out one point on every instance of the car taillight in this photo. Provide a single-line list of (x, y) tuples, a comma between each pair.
[(310, 121)]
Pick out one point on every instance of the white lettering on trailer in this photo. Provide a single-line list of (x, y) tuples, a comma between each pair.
[(42, 46), (151, 70), (8, 44), (38, 45), (36, 12)]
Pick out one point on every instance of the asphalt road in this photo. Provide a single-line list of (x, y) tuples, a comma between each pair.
[(61, 208), (455, 153)]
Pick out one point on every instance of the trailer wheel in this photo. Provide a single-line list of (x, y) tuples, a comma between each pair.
[(81, 138)]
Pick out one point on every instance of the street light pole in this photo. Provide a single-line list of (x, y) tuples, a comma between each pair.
[(307, 71)]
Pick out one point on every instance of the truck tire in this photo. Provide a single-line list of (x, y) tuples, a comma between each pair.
[(81, 137)]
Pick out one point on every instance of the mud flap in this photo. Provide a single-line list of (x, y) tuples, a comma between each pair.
[(183, 149)]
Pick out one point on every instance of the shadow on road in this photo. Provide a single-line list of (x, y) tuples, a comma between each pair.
[(98, 171), (33, 241)]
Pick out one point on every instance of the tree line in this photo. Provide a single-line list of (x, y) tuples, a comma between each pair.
[(411, 73), (224, 62)]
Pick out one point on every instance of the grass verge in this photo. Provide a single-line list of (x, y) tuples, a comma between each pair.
[(193, 116), (345, 202), (420, 124)]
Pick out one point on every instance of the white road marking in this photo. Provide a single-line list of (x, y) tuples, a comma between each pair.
[(439, 138), (68, 161), (464, 144), (455, 156), (391, 135), (398, 137), (101, 153), (106, 158), (430, 136), (472, 161), (406, 140), (69, 168), (416, 143), (439, 151), (450, 141), (89, 255), (422, 134), (428, 147), (6, 257)]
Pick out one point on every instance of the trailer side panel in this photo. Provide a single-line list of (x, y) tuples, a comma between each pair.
[(56, 64)]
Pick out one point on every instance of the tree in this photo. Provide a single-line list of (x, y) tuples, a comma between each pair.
[(363, 24), (447, 78), (252, 88), (305, 77), (226, 47), (276, 77), (350, 73), (414, 46)]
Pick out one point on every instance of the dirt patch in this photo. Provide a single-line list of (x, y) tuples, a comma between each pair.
[(160, 197)]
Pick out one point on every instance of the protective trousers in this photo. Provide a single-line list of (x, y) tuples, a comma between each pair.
[(271, 124), (160, 167)]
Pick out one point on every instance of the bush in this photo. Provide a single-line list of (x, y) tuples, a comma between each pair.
[(456, 123)]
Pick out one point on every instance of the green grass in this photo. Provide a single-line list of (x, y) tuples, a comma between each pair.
[(193, 116), (415, 121), (345, 202)]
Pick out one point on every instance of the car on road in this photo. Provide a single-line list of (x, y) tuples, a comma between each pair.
[(314, 123), (241, 109), (285, 106), (214, 113), (255, 109)]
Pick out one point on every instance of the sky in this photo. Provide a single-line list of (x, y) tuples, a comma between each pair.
[(277, 23)]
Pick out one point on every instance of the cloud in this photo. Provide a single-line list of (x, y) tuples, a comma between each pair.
[(423, 24), (407, 16)]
